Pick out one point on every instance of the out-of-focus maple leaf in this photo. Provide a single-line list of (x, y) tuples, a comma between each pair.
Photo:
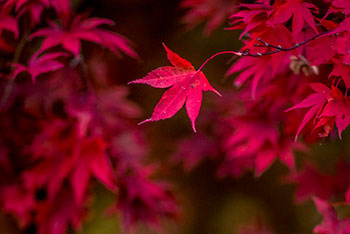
[(9, 23), (343, 26), (81, 28), (63, 9), (342, 4), (215, 11), (311, 182), (266, 67), (38, 65), (331, 224), (34, 7), (256, 227), (18, 201), (193, 150), (91, 160), (55, 217), (342, 47), (67, 155), (186, 84), (339, 6), (341, 70), (143, 200), (251, 19), (320, 51), (300, 10), (259, 140), (257, 69)]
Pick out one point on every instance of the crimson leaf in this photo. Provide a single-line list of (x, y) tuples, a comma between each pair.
[(186, 84)]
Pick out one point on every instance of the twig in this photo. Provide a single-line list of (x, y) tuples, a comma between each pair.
[(277, 48)]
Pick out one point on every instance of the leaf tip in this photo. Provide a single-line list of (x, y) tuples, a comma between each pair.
[(145, 121), (194, 127), (165, 47), (215, 91), (134, 82), (296, 138)]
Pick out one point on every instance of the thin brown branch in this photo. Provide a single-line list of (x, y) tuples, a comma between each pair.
[(279, 48)]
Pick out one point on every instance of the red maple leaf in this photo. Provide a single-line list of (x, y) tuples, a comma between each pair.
[(33, 7), (186, 84), (141, 199), (339, 6), (69, 36), (91, 161), (300, 10), (9, 23), (316, 101), (327, 106), (344, 5), (39, 65), (251, 19), (341, 70), (215, 11), (57, 216), (191, 151), (17, 201), (331, 224), (320, 51), (265, 68), (311, 181), (66, 155)]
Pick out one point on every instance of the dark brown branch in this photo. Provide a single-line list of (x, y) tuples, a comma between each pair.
[(279, 48)]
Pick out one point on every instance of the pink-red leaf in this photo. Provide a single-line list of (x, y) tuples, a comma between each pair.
[(186, 86)]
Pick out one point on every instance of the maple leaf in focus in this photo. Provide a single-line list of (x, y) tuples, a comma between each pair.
[(327, 106), (69, 36), (215, 11), (300, 10), (331, 224), (38, 65), (315, 101), (186, 84)]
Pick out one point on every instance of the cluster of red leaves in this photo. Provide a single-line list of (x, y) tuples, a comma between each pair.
[(289, 46), (68, 126), (80, 131)]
